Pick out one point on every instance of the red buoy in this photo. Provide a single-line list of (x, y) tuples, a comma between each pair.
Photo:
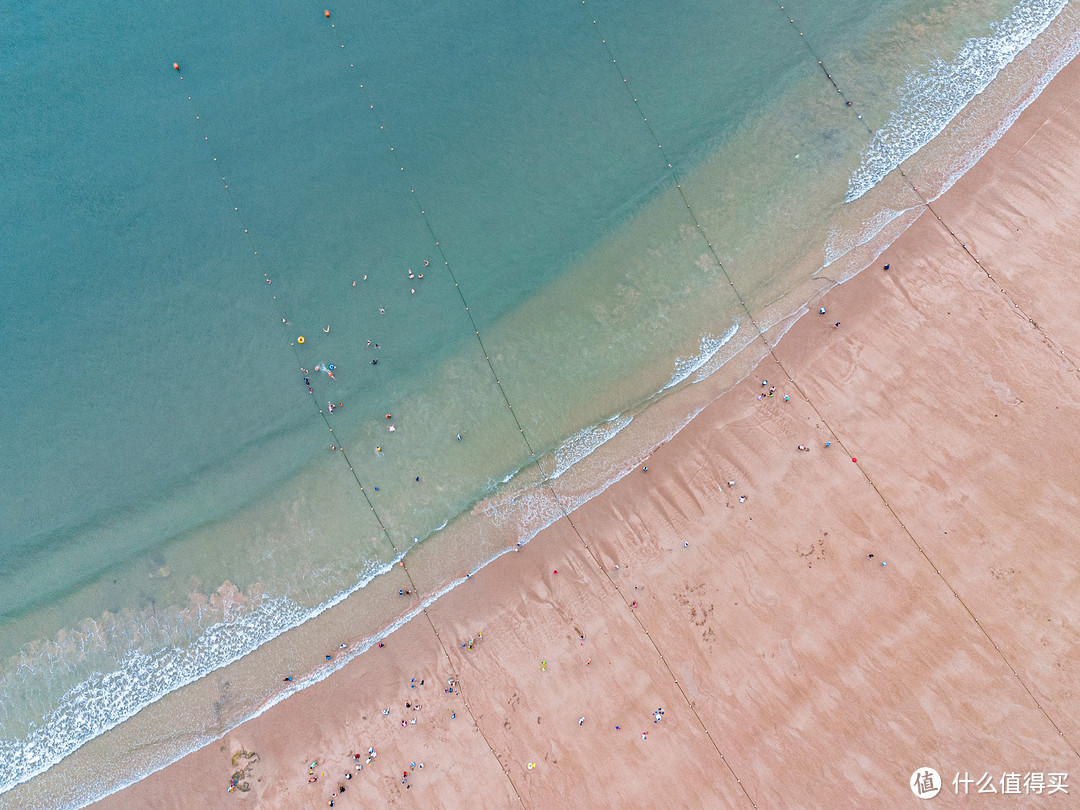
[(175, 65), (327, 12)]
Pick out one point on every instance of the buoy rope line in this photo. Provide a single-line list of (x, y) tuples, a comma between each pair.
[(382, 526), (258, 261), (369, 100), (928, 204), (545, 482), (1015, 307)]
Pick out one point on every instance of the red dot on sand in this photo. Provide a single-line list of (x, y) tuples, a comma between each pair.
[(855, 460)]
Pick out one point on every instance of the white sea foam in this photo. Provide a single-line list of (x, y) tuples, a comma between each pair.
[(710, 345), (1060, 60), (104, 700), (840, 242), (931, 98), (586, 441)]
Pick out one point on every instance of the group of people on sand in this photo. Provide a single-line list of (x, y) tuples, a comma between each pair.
[(412, 705)]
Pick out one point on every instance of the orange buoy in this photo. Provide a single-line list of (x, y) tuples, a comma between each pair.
[(175, 65), (326, 13)]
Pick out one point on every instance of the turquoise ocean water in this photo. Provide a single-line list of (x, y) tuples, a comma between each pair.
[(175, 531)]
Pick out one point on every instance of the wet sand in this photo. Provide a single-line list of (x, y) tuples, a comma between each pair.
[(793, 670)]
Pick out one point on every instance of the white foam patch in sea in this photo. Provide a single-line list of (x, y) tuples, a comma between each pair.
[(710, 345), (1069, 52), (930, 99), (105, 700), (536, 507), (586, 441), (840, 242)]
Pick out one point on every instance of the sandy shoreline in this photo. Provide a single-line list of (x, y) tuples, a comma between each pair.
[(792, 669)]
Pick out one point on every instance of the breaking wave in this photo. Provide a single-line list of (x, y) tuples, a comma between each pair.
[(931, 98)]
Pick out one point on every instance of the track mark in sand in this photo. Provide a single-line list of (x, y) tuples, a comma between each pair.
[(852, 355), (244, 762), (760, 596), (898, 282), (1014, 307), (782, 658)]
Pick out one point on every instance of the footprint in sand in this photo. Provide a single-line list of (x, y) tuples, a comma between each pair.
[(783, 658)]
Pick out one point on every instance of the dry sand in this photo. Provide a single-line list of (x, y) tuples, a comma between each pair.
[(793, 670)]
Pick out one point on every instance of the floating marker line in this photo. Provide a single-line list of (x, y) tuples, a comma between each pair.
[(258, 261), (821, 64), (446, 262)]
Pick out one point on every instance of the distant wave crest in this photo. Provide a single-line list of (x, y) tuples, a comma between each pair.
[(586, 441), (710, 345), (930, 99)]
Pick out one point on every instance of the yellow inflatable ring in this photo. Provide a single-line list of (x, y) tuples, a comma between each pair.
[(300, 339)]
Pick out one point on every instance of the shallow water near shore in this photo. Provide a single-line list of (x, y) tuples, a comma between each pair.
[(172, 505)]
